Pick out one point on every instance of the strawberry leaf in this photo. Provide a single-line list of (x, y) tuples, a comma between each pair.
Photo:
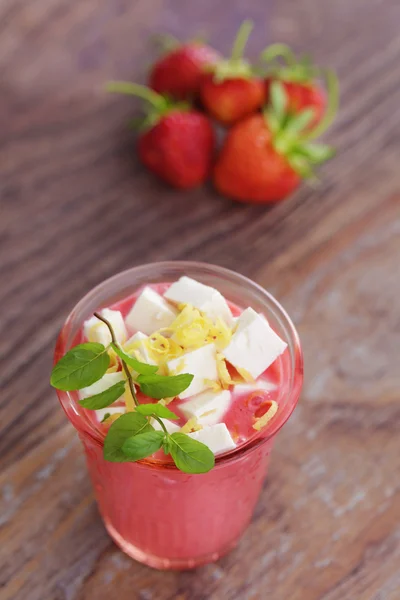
[(278, 102), (301, 165), (317, 153), (272, 120), (297, 123)]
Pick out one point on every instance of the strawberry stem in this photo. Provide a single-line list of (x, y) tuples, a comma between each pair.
[(134, 89), (241, 40), (279, 50), (165, 41), (332, 86)]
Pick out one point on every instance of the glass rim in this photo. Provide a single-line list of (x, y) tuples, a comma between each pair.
[(293, 341)]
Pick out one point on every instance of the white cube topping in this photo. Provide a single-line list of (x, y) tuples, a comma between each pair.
[(111, 410), (255, 345), (96, 331), (138, 342), (103, 384), (200, 363), (150, 312), (261, 384), (208, 407), (170, 426), (203, 297), (216, 437)]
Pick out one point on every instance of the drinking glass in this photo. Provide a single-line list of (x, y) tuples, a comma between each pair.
[(157, 514)]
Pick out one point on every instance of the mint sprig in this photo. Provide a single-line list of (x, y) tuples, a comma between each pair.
[(190, 456), (158, 386), (80, 367), (124, 365), (139, 367), (105, 398), (159, 410), (131, 437), (124, 427), (143, 445)]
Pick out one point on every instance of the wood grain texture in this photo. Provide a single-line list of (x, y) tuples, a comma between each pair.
[(76, 207)]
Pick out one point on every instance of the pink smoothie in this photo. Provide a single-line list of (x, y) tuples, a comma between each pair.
[(170, 519)]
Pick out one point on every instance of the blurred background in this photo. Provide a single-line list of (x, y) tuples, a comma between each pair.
[(76, 206)]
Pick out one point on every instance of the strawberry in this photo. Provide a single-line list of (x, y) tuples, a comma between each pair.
[(249, 168), (178, 73), (231, 91), (301, 96), (300, 80), (265, 156), (179, 148), (177, 143)]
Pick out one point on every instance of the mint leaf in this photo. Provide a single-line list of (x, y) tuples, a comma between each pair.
[(136, 365), (105, 398), (80, 367), (105, 417), (158, 386), (190, 456), (143, 445), (123, 428), (156, 409)]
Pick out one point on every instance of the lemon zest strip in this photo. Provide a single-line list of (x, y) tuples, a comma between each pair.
[(266, 418), (191, 425)]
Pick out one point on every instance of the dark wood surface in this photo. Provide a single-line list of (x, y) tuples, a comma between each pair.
[(77, 207)]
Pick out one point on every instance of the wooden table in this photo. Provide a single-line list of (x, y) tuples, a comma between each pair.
[(77, 207)]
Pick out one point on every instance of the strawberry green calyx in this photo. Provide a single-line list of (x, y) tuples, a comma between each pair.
[(288, 68), (166, 42), (236, 66), (332, 87), (290, 135), (135, 89), (158, 105)]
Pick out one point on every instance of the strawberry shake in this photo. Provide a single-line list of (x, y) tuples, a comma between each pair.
[(193, 371)]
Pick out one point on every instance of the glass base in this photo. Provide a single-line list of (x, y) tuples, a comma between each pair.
[(166, 564)]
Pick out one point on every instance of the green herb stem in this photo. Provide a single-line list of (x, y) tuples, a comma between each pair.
[(129, 406), (161, 423)]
